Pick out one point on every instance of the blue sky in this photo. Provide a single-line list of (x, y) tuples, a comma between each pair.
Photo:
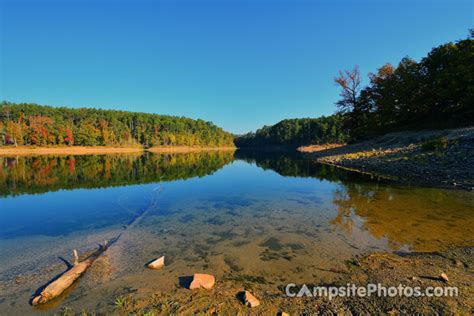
[(238, 63)]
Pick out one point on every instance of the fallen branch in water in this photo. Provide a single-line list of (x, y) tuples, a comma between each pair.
[(56, 287), (65, 280)]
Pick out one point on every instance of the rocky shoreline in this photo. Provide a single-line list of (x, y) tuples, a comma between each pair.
[(452, 268), (439, 158)]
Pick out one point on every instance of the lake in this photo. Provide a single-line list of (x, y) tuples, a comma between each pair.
[(275, 218)]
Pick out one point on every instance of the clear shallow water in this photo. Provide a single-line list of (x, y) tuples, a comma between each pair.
[(280, 218)]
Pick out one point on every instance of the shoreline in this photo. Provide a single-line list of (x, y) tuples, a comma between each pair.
[(389, 269), (187, 149), (98, 150), (407, 157)]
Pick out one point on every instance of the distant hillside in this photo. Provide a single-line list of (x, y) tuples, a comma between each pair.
[(297, 132), (32, 124)]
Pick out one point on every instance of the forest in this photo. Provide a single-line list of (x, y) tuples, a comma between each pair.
[(37, 125), (436, 92), (297, 132)]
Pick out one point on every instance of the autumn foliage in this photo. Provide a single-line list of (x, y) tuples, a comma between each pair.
[(32, 124)]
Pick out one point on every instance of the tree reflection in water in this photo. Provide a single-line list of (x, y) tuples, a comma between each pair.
[(39, 174), (422, 219)]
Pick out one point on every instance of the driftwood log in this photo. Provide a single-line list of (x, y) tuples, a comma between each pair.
[(65, 280)]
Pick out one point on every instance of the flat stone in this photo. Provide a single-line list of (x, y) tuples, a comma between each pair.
[(157, 263), (201, 280), (250, 300)]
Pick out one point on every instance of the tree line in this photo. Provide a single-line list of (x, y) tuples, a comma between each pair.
[(297, 132), (437, 92), (32, 124)]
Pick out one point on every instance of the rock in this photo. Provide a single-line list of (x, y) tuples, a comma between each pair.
[(283, 314), (157, 263), (459, 264), (206, 281), (250, 300), (444, 277), (212, 310)]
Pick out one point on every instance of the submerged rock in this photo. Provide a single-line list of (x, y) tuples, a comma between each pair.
[(157, 263), (250, 300), (206, 281)]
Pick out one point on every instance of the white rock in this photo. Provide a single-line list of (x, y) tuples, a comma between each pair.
[(157, 263), (444, 277)]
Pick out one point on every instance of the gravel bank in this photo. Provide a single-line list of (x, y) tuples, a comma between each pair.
[(441, 158)]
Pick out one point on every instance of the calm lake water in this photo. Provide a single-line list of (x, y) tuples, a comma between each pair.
[(278, 217)]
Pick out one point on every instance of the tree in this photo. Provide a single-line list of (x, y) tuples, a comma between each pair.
[(88, 134), (104, 130), (14, 133), (350, 83), (39, 130), (2, 132), (69, 139)]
